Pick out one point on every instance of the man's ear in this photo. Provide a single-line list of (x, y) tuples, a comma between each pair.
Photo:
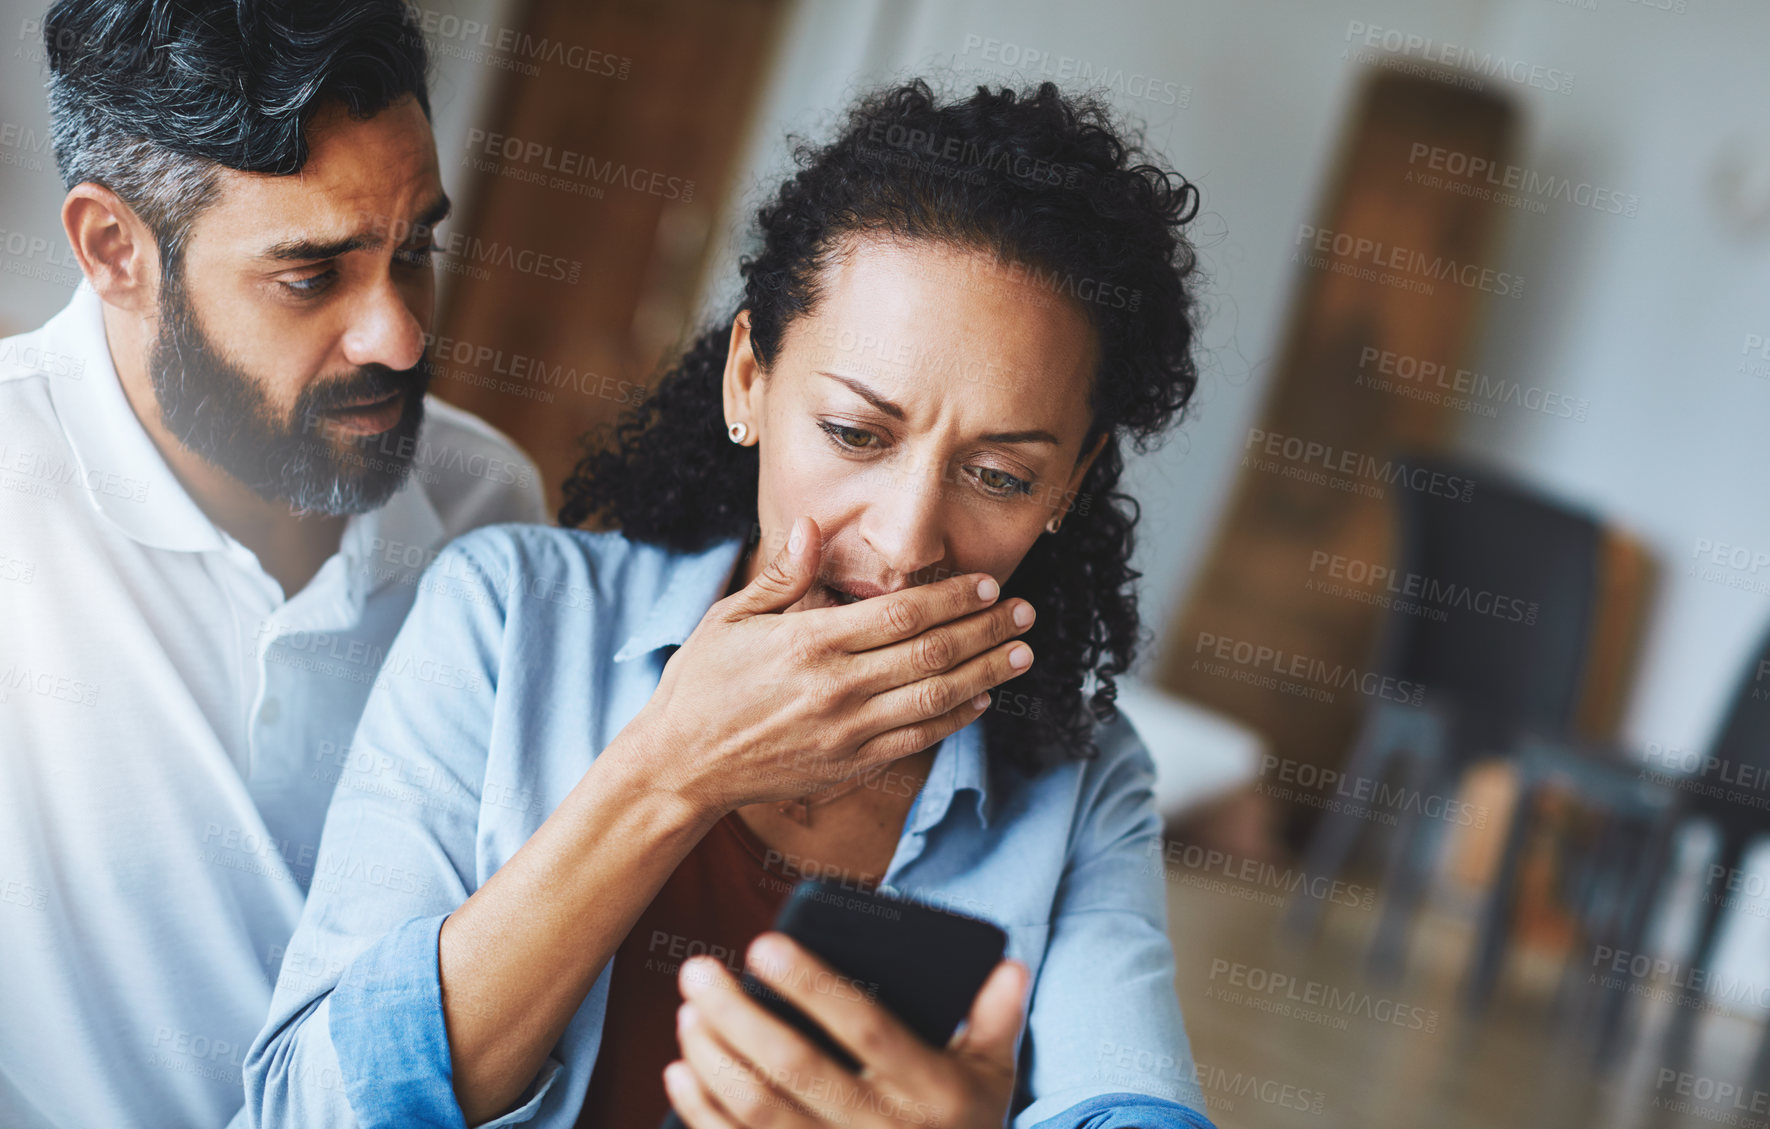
[(741, 391), (117, 252)]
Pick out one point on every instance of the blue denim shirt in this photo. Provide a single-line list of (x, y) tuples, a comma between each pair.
[(527, 650)]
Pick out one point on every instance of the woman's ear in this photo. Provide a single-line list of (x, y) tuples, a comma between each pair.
[(742, 389), (117, 252)]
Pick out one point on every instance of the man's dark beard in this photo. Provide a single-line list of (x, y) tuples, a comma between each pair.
[(220, 413)]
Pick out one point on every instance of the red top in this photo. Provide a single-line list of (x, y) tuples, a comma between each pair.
[(725, 891)]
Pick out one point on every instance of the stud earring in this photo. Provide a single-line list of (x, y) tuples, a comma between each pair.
[(1054, 525), (738, 432)]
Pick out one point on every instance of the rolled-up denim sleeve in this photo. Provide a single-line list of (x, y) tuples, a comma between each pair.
[(1126, 1111), (355, 1034), (1105, 1046)]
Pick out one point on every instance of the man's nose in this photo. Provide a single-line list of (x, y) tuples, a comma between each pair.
[(384, 331)]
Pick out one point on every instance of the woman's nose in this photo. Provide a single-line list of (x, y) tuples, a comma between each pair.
[(904, 521)]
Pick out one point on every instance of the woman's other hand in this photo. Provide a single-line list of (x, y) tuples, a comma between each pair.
[(742, 1067), (760, 706)]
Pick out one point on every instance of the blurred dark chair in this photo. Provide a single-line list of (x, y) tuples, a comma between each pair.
[(1610, 876), (1502, 589), (1730, 792)]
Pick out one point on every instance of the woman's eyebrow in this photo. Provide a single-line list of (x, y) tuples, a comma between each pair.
[(1029, 435), (1033, 435), (866, 394)]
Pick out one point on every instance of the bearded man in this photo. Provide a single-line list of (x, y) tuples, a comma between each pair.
[(220, 481)]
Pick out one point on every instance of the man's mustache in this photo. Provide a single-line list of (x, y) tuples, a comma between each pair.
[(370, 382)]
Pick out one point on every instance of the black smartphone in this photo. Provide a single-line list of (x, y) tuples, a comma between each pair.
[(922, 964)]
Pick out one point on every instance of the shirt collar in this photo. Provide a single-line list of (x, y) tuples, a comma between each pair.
[(120, 468), (960, 766), (698, 582)]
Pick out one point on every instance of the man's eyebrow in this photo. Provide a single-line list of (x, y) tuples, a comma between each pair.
[(308, 250), (303, 250), (1030, 435)]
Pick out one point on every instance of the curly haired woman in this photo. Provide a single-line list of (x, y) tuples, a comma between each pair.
[(859, 618)]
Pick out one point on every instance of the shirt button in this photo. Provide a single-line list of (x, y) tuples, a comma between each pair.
[(270, 711)]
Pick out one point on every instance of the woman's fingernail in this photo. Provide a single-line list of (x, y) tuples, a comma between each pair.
[(988, 589), (765, 954), (1020, 657), (796, 539), (1023, 615), (979, 702), (697, 973), (686, 1016)]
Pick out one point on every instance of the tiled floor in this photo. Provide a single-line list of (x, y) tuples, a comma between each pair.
[(1330, 1047)]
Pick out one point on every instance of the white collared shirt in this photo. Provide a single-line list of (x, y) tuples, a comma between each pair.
[(171, 729)]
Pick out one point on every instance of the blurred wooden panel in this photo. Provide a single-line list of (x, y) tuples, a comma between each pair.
[(591, 208), (1627, 577), (1254, 588)]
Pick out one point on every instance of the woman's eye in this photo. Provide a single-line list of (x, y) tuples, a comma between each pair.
[(1001, 482), (313, 284), (853, 438)]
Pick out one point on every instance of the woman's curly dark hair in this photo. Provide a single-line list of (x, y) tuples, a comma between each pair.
[(1036, 178)]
